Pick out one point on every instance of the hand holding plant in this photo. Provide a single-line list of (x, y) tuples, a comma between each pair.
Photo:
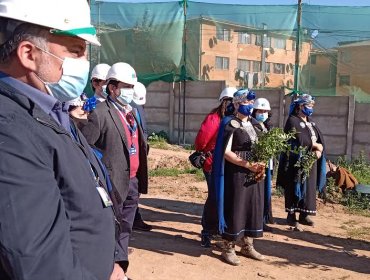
[(271, 144)]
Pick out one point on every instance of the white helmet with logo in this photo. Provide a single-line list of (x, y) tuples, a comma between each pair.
[(261, 104), (122, 72), (100, 71), (139, 94), (227, 92), (67, 17)]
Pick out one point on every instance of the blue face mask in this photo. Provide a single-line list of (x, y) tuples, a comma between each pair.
[(245, 109), (126, 96), (262, 117), (73, 80), (307, 111)]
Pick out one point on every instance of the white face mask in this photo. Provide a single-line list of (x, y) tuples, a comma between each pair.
[(73, 81), (104, 91), (126, 96)]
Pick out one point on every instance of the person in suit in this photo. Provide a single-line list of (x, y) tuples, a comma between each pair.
[(56, 220), (113, 129), (137, 103)]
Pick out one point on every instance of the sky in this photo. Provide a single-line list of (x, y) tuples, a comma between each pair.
[(269, 2)]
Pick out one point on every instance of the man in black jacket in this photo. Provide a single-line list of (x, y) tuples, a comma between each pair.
[(113, 129), (56, 218)]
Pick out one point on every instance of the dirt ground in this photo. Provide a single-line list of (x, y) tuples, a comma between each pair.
[(338, 247)]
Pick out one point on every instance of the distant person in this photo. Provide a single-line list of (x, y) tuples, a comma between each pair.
[(138, 102), (56, 221), (98, 81), (205, 141), (113, 129), (300, 193), (262, 114), (239, 180)]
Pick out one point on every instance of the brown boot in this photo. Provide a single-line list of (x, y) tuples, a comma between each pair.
[(249, 251), (229, 255)]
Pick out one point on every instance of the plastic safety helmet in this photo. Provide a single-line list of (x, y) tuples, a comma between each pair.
[(262, 104), (122, 72), (100, 71), (227, 93), (243, 94), (139, 94), (67, 17)]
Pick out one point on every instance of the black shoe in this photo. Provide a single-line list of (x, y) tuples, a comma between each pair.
[(291, 219), (205, 240), (267, 228), (141, 225), (304, 219)]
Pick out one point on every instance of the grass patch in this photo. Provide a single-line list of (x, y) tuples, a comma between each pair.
[(175, 172), (356, 233)]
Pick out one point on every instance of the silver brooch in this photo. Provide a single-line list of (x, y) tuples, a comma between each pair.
[(234, 123)]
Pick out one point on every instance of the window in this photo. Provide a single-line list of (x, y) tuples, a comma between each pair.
[(344, 80), (293, 45), (244, 38), (267, 67), (222, 34), (258, 41), (313, 59), (256, 66), (346, 57), (278, 68), (279, 43), (222, 62), (244, 64), (267, 40)]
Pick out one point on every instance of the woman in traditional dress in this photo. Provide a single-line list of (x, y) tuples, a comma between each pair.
[(239, 180), (300, 189)]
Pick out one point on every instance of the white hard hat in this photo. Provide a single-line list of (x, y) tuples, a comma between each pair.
[(261, 104), (122, 72), (67, 17), (100, 71), (227, 92), (139, 94)]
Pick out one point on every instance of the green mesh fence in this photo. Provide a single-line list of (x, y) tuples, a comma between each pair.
[(245, 45)]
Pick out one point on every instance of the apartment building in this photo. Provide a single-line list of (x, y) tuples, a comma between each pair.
[(319, 75), (242, 55), (353, 69)]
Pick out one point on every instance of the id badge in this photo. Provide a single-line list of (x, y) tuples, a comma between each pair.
[(104, 197), (132, 150)]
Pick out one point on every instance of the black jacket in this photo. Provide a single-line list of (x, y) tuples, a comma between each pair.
[(53, 224), (105, 132)]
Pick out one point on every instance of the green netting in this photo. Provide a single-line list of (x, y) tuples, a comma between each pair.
[(245, 45)]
